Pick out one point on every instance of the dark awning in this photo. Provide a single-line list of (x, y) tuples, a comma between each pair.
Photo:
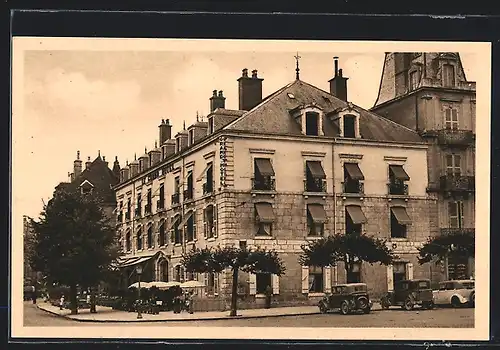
[(203, 173), (354, 171), (264, 166), (316, 170), (401, 215), (265, 212), (186, 218), (134, 261), (356, 214), (398, 172), (317, 212)]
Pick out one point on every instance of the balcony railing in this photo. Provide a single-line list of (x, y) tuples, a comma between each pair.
[(455, 137), (457, 183), (454, 231), (208, 187), (264, 184), (175, 198), (397, 189), (315, 185), (187, 194), (353, 187)]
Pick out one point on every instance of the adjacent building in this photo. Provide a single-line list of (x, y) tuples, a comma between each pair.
[(297, 165), (428, 92)]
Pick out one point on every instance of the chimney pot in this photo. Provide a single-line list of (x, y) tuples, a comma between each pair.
[(220, 94), (340, 72), (336, 62), (214, 93), (244, 72), (254, 73), (104, 158), (167, 121)]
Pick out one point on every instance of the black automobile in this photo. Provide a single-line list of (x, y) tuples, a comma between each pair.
[(348, 298), (408, 294)]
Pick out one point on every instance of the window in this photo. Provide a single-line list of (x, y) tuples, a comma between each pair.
[(349, 126), (190, 276), (263, 175), (163, 273), (148, 202), (178, 144), (354, 219), (191, 228), (312, 123), (316, 218), (263, 282), (211, 127), (352, 178), (138, 208), (191, 137), (188, 193), (212, 283), (128, 243), (129, 207), (315, 279), (175, 196), (176, 231), (161, 200), (456, 214), (86, 189), (413, 80), (451, 118), (208, 186), (179, 273), (208, 222), (453, 166), (399, 271), (355, 273), (264, 217), (150, 236), (315, 177), (161, 235), (399, 221), (139, 239), (448, 75), (397, 178)]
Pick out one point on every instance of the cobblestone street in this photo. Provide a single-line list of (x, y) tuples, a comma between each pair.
[(446, 317)]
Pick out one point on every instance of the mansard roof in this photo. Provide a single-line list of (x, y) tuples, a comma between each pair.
[(273, 116)]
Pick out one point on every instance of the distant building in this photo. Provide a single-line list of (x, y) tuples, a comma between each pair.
[(297, 165), (429, 93)]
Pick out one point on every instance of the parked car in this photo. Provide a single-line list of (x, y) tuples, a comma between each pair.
[(347, 298), (408, 294), (456, 293)]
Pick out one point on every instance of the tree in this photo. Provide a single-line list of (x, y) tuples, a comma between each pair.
[(74, 242), (349, 249), (439, 248), (236, 259)]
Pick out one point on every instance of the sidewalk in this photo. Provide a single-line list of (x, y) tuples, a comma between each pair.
[(107, 314)]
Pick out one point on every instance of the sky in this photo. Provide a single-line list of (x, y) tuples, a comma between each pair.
[(112, 101)]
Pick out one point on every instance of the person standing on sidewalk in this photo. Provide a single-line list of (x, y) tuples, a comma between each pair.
[(61, 302), (33, 294)]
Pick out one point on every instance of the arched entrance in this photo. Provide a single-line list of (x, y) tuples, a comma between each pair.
[(163, 270)]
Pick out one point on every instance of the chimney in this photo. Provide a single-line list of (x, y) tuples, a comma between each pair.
[(338, 84), (217, 101), (165, 131), (116, 167), (87, 163), (250, 90), (77, 165), (168, 149)]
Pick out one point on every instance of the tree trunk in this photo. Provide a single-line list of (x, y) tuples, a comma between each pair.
[(234, 292), (73, 299), (92, 301)]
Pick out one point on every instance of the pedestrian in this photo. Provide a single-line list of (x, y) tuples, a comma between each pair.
[(190, 299), (33, 294), (88, 299), (61, 302)]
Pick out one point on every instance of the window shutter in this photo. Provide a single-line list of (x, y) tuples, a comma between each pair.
[(205, 233), (215, 226), (216, 283), (194, 225), (253, 283), (390, 278), (327, 279), (305, 279), (461, 214), (172, 236), (276, 283), (335, 274), (409, 268)]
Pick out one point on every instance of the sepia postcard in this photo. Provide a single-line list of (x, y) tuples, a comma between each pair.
[(250, 189)]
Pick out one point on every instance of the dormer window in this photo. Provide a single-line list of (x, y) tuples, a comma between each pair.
[(349, 126), (413, 77), (211, 125), (312, 123), (448, 75), (191, 137), (178, 144)]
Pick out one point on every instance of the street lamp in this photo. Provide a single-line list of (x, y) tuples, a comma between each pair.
[(138, 270)]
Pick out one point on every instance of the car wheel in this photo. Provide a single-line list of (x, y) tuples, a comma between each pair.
[(408, 305), (455, 302), (472, 299), (366, 310), (344, 308), (322, 308)]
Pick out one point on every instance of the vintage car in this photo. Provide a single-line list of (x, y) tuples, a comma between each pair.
[(347, 298), (455, 293), (408, 294)]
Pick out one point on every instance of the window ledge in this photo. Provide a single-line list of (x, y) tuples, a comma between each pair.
[(191, 242), (398, 239), (315, 294), (268, 192), (260, 296), (263, 237), (312, 238), (211, 239), (315, 194), (177, 245)]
